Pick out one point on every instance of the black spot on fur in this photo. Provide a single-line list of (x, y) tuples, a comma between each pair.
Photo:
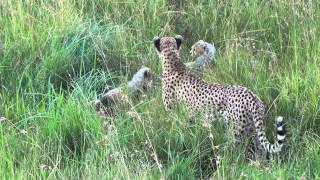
[(281, 133), (280, 141)]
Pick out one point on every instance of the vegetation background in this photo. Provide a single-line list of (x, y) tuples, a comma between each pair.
[(56, 56)]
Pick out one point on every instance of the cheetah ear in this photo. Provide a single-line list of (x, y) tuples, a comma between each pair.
[(156, 42), (146, 74), (179, 40)]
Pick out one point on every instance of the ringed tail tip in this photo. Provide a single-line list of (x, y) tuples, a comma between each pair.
[(279, 119)]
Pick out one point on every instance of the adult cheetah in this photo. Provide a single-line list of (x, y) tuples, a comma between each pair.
[(237, 104)]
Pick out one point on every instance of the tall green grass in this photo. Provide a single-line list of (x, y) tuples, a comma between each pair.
[(56, 56)]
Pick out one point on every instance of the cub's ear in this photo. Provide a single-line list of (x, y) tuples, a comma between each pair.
[(179, 40), (156, 42), (146, 74)]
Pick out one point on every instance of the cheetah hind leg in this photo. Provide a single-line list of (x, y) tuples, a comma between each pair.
[(255, 151), (258, 151)]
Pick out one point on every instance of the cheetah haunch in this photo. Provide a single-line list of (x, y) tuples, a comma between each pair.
[(237, 104)]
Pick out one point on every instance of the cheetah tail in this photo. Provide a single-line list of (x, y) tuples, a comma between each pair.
[(281, 131), (276, 147)]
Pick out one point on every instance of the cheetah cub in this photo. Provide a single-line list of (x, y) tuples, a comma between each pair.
[(204, 53), (140, 84), (239, 105)]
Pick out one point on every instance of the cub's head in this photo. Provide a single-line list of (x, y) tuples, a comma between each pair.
[(148, 74), (198, 48), (143, 75), (141, 80), (167, 42)]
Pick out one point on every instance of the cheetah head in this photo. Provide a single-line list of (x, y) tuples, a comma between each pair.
[(198, 48), (141, 80), (148, 77), (147, 73), (167, 42)]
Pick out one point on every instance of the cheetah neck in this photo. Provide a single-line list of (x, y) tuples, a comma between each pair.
[(171, 61)]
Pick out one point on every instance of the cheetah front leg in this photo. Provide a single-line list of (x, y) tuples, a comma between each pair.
[(168, 98)]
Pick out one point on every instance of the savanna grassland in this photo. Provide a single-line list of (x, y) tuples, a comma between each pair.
[(56, 56)]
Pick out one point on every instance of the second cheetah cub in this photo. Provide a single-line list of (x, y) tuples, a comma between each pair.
[(205, 54)]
